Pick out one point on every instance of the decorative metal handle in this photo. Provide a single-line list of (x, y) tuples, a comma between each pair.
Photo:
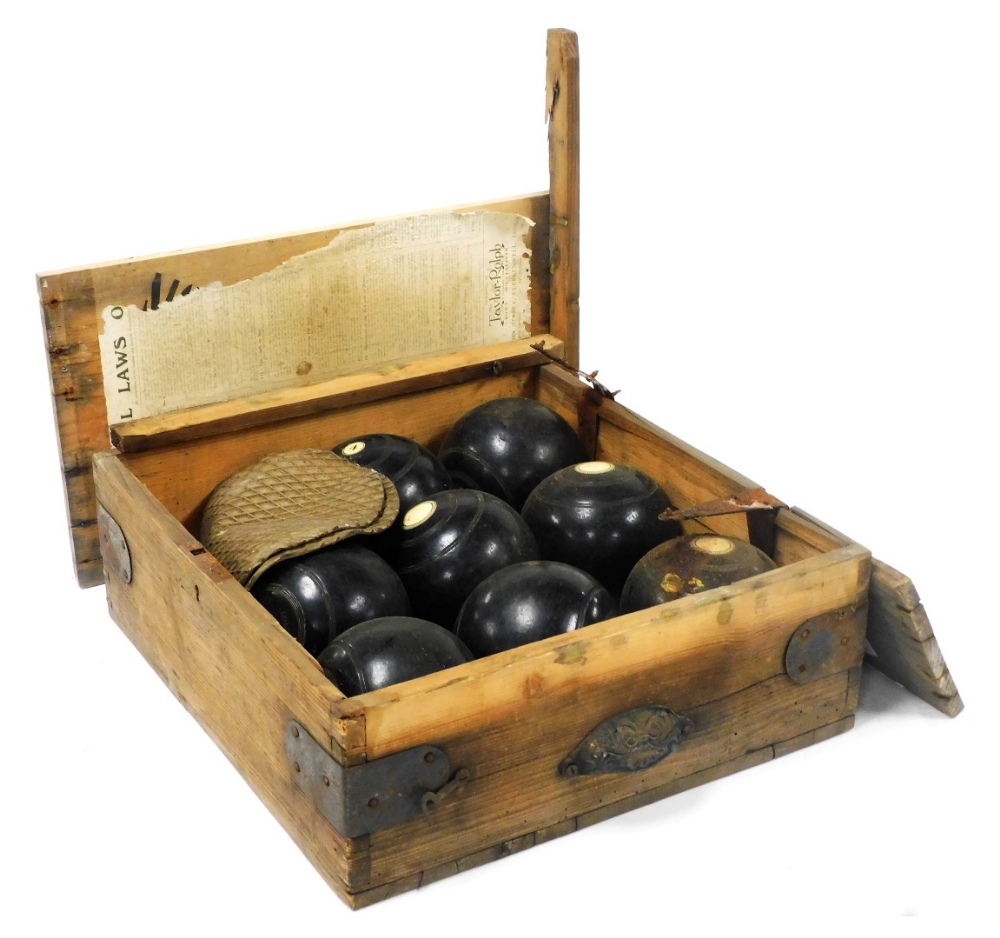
[(631, 741)]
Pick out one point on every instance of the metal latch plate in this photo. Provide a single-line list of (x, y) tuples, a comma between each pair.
[(372, 796)]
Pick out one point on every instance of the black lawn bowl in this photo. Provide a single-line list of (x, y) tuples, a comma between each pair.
[(506, 447), (528, 602), (691, 564), (382, 652), (319, 595), (601, 517), (449, 544)]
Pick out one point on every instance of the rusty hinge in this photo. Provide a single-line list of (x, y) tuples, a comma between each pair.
[(372, 796), (827, 644)]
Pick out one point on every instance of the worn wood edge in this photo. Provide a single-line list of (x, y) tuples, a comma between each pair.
[(395, 715), (63, 352), (903, 641), (336, 394), (484, 205), (364, 898), (562, 111)]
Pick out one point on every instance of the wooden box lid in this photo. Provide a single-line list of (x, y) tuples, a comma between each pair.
[(75, 304)]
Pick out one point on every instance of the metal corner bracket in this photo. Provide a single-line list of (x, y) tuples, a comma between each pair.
[(372, 796)]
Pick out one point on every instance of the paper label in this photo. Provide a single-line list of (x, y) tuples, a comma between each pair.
[(396, 290)]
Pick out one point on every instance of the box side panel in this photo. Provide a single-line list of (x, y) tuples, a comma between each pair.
[(231, 665), (615, 433), (717, 659), (71, 305), (183, 475), (508, 847)]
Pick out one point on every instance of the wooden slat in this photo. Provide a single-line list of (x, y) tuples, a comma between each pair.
[(562, 105), (183, 475), (904, 644), (231, 665), (507, 848), (337, 394), (514, 803), (689, 476), (71, 304), (700, 635)]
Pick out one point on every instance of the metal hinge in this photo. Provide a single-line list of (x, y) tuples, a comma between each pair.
[(827, 644), (372, 796), (114, 547)]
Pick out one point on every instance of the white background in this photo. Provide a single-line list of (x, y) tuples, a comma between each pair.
[(791, 223)]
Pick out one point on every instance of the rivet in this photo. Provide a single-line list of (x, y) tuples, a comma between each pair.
[(802, 668), (428, 757), (572, 769), (326, 781), (687, 729), (373, 803), (805, 634), (297, 767), (844, 640), (295, 732)]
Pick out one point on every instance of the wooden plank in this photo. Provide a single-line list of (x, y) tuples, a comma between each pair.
[(715, 642), (817, 735), (688, 475), (72, 301), (903, 641), (562, 107), (509, 805), (231, 665), (589, 818), (337, 394), (182, 475)]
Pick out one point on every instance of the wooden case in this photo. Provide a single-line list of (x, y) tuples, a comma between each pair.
[(749, 672)]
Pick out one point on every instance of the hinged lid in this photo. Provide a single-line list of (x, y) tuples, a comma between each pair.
[(73, 304)]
